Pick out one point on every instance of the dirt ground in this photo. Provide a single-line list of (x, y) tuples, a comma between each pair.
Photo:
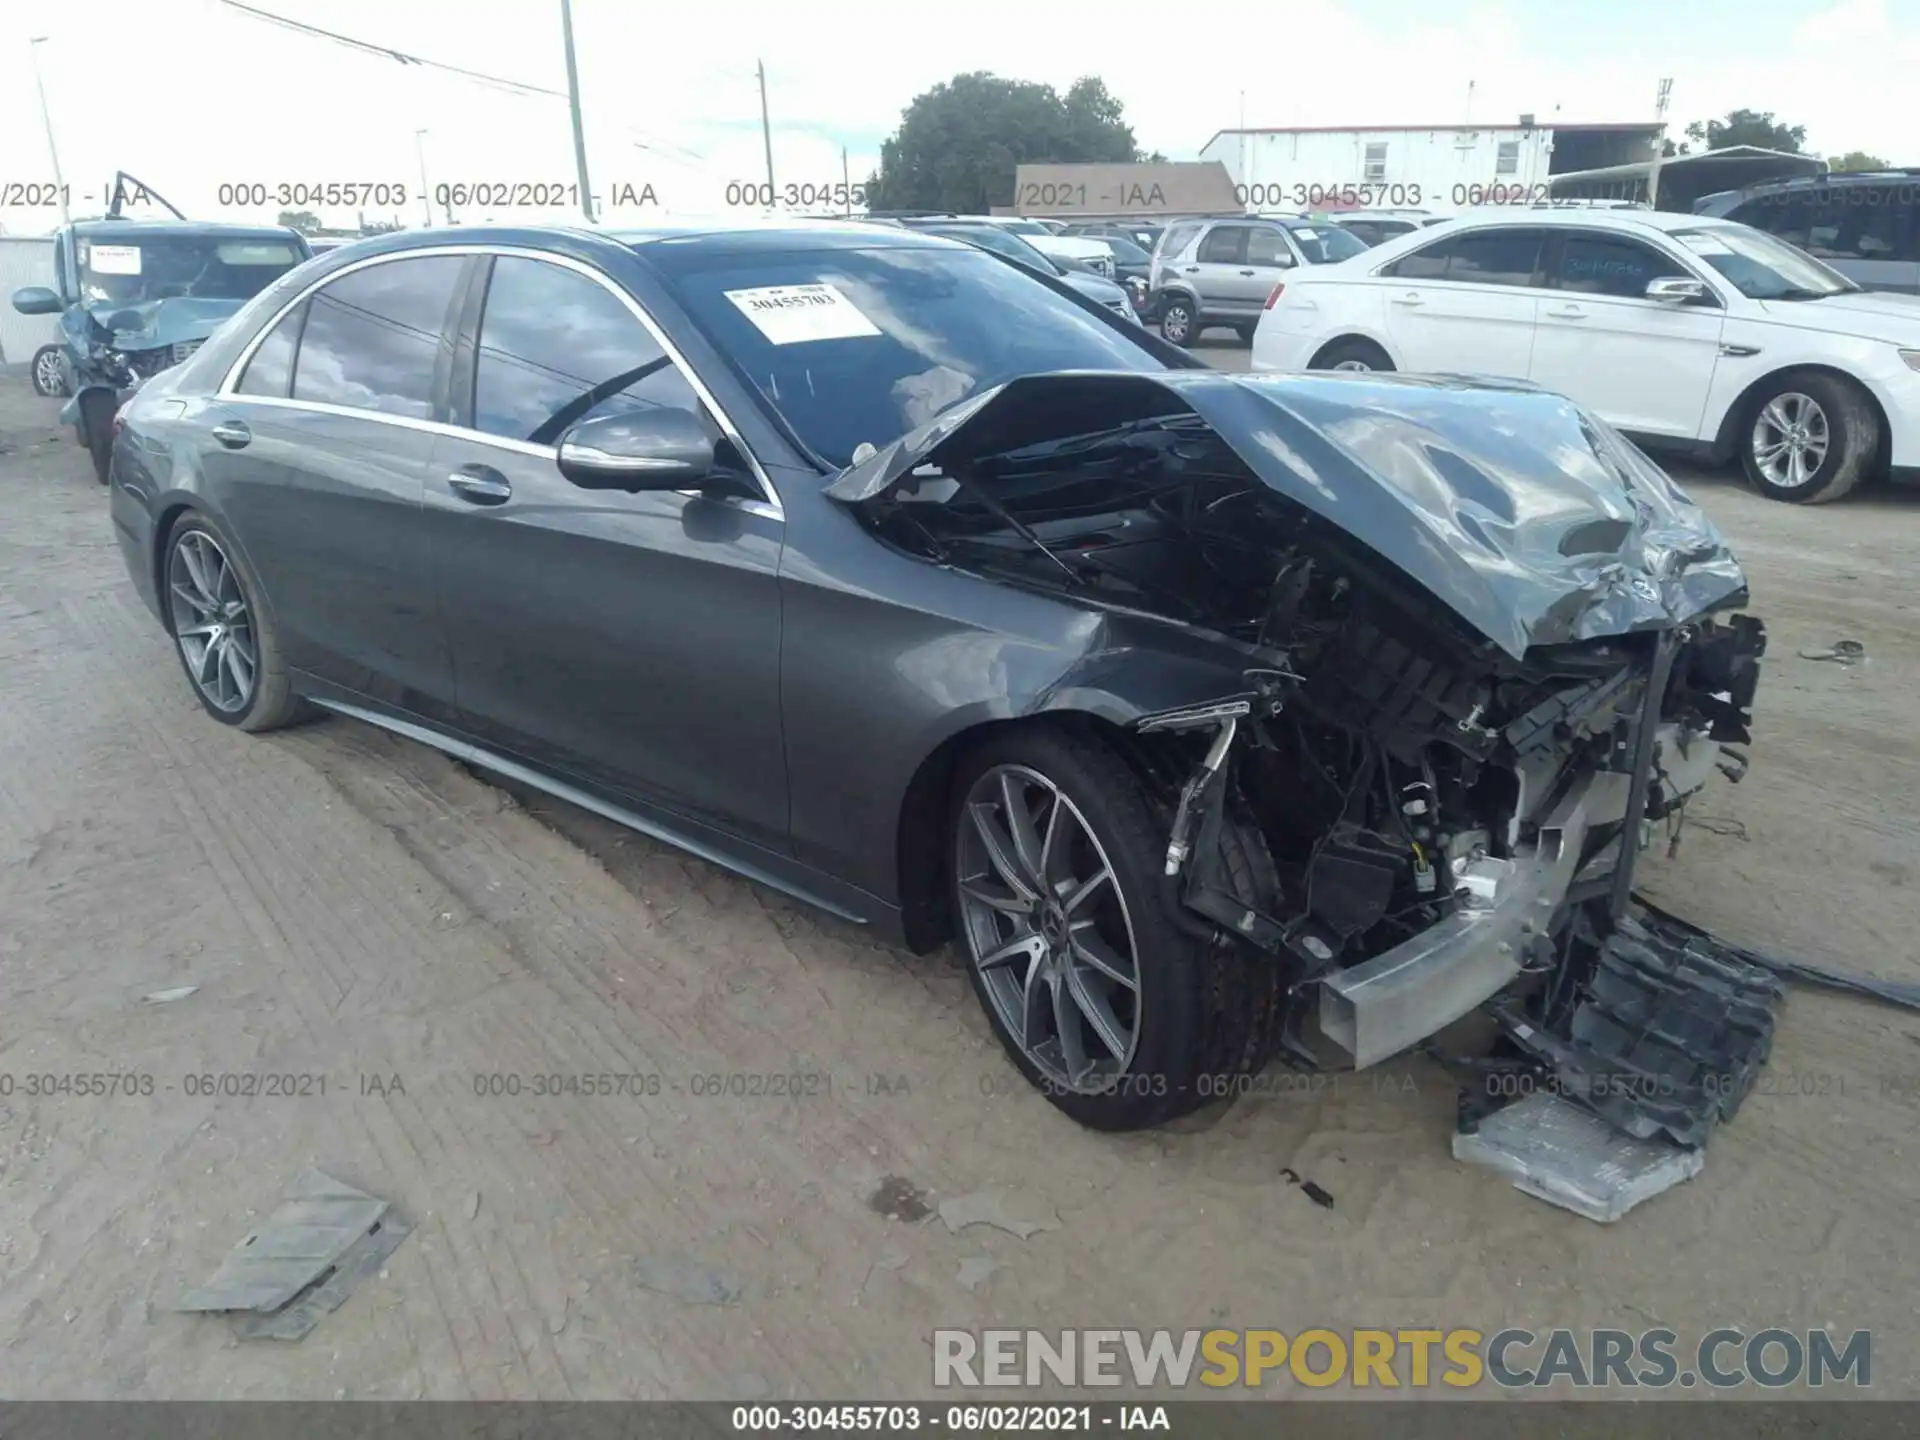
[(355, 907)]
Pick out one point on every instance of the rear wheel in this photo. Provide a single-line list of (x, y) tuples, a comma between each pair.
[(48, 377), (226, 639), (96, 430), (1353, 354), (1179, 321), (1811, 440), (1120, 1016)]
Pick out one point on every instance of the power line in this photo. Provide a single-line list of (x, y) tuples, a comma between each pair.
[(389, 53)]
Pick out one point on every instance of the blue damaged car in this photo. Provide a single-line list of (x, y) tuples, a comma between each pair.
[(135, 297)]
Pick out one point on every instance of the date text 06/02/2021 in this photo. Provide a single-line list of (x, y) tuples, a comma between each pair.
[(906, 1419)]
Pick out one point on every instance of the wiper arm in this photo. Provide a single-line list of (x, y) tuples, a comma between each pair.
[(1020, 527), (1801, 292)]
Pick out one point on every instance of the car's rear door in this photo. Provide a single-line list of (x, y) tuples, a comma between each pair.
[(1643, 365), (1219, 271), (1464, 304), (317, 456), (631, 642)]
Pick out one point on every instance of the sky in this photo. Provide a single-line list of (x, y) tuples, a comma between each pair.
[(191, 95)]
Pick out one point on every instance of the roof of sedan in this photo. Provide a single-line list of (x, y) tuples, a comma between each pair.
[(746, 236), (125, 226), (1588, 218)]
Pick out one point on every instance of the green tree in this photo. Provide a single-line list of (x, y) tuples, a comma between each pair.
[(1857, 160), (305, 221), (1747, 127), (958, 143)]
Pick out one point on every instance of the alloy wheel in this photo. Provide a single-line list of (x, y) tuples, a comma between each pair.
[(1174, 325), (1047, 929), (1351, 365), (1790, 440), (46, 372), (211, 622)]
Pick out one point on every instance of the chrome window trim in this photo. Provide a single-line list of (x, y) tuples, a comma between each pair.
[(228, 391)]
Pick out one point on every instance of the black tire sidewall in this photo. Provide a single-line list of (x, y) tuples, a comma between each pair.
[(96, 413), (1838, 405), (1353, 350), (1171, 962), (250, 591)]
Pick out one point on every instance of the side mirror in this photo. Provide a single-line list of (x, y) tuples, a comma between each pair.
[(658, 449), (36, 300), (1676, 290)]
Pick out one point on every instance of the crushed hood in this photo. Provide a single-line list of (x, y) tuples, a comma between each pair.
[(162, 322), (1527, 516)]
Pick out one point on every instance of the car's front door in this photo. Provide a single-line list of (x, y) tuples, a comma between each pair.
[(631, 641), (1643, 365), (1269, 258), (318, 456), (1464, 305)]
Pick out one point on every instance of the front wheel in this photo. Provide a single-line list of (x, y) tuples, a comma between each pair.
[(1812, 439), (1119, 1016)]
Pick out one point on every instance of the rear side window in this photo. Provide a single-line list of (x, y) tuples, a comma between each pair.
[(270, 371), (557, 347), (1175, 239), (1592, 263), (372, 337), (1224, 245), (1483, 257)]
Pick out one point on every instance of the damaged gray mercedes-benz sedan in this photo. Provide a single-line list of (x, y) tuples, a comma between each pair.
[(1223, 719)]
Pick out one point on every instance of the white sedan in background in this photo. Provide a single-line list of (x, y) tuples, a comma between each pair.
[(1681, 330)]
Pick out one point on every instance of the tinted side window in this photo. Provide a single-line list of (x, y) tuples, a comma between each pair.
[(1267, 247), (372, 337), (1788, 214), (1429, 263), (270, 371), (1496, 257), (1224, 245), (1859, 222), (557, 347), (1596, 264)]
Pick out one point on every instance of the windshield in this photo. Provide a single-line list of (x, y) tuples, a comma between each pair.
[(857, 347), (1324, 244), (992, 237), (166, 267), (1761, 267), (1125, 251)]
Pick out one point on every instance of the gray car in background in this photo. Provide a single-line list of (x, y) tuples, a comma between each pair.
[(1865, 225), (1222, 272)]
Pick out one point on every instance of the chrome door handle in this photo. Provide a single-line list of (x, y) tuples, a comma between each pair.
[(232, 434), (1193, 269), (1409, 298), (1568, 312), (480, 485), (1246, 272)]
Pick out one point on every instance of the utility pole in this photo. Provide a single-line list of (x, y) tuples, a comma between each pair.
[(1246, 180), (426, 191), (766, 134), (46, 119), (1468, 120), (573, 103), (1659, 143)]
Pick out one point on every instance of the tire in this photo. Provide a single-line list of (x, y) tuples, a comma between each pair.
[(96, 431), (1203, 1010), (1351, 354), (1245, 332), (1798, 420), (268, 701), (1179, 321), (48, 378)]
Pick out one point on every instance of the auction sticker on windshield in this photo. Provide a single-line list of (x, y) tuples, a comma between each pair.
[(114, 259), (1704, 244), (792, 314)]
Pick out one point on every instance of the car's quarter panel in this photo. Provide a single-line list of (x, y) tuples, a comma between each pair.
[(1313, 313), (1641, 364)]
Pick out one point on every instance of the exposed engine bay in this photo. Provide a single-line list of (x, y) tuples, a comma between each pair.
[(1436, 819)]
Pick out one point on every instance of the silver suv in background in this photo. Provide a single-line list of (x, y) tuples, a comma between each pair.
[(1220, 272), (1865, 224)]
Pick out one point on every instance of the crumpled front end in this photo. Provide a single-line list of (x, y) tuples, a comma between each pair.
[(1488, 649)]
